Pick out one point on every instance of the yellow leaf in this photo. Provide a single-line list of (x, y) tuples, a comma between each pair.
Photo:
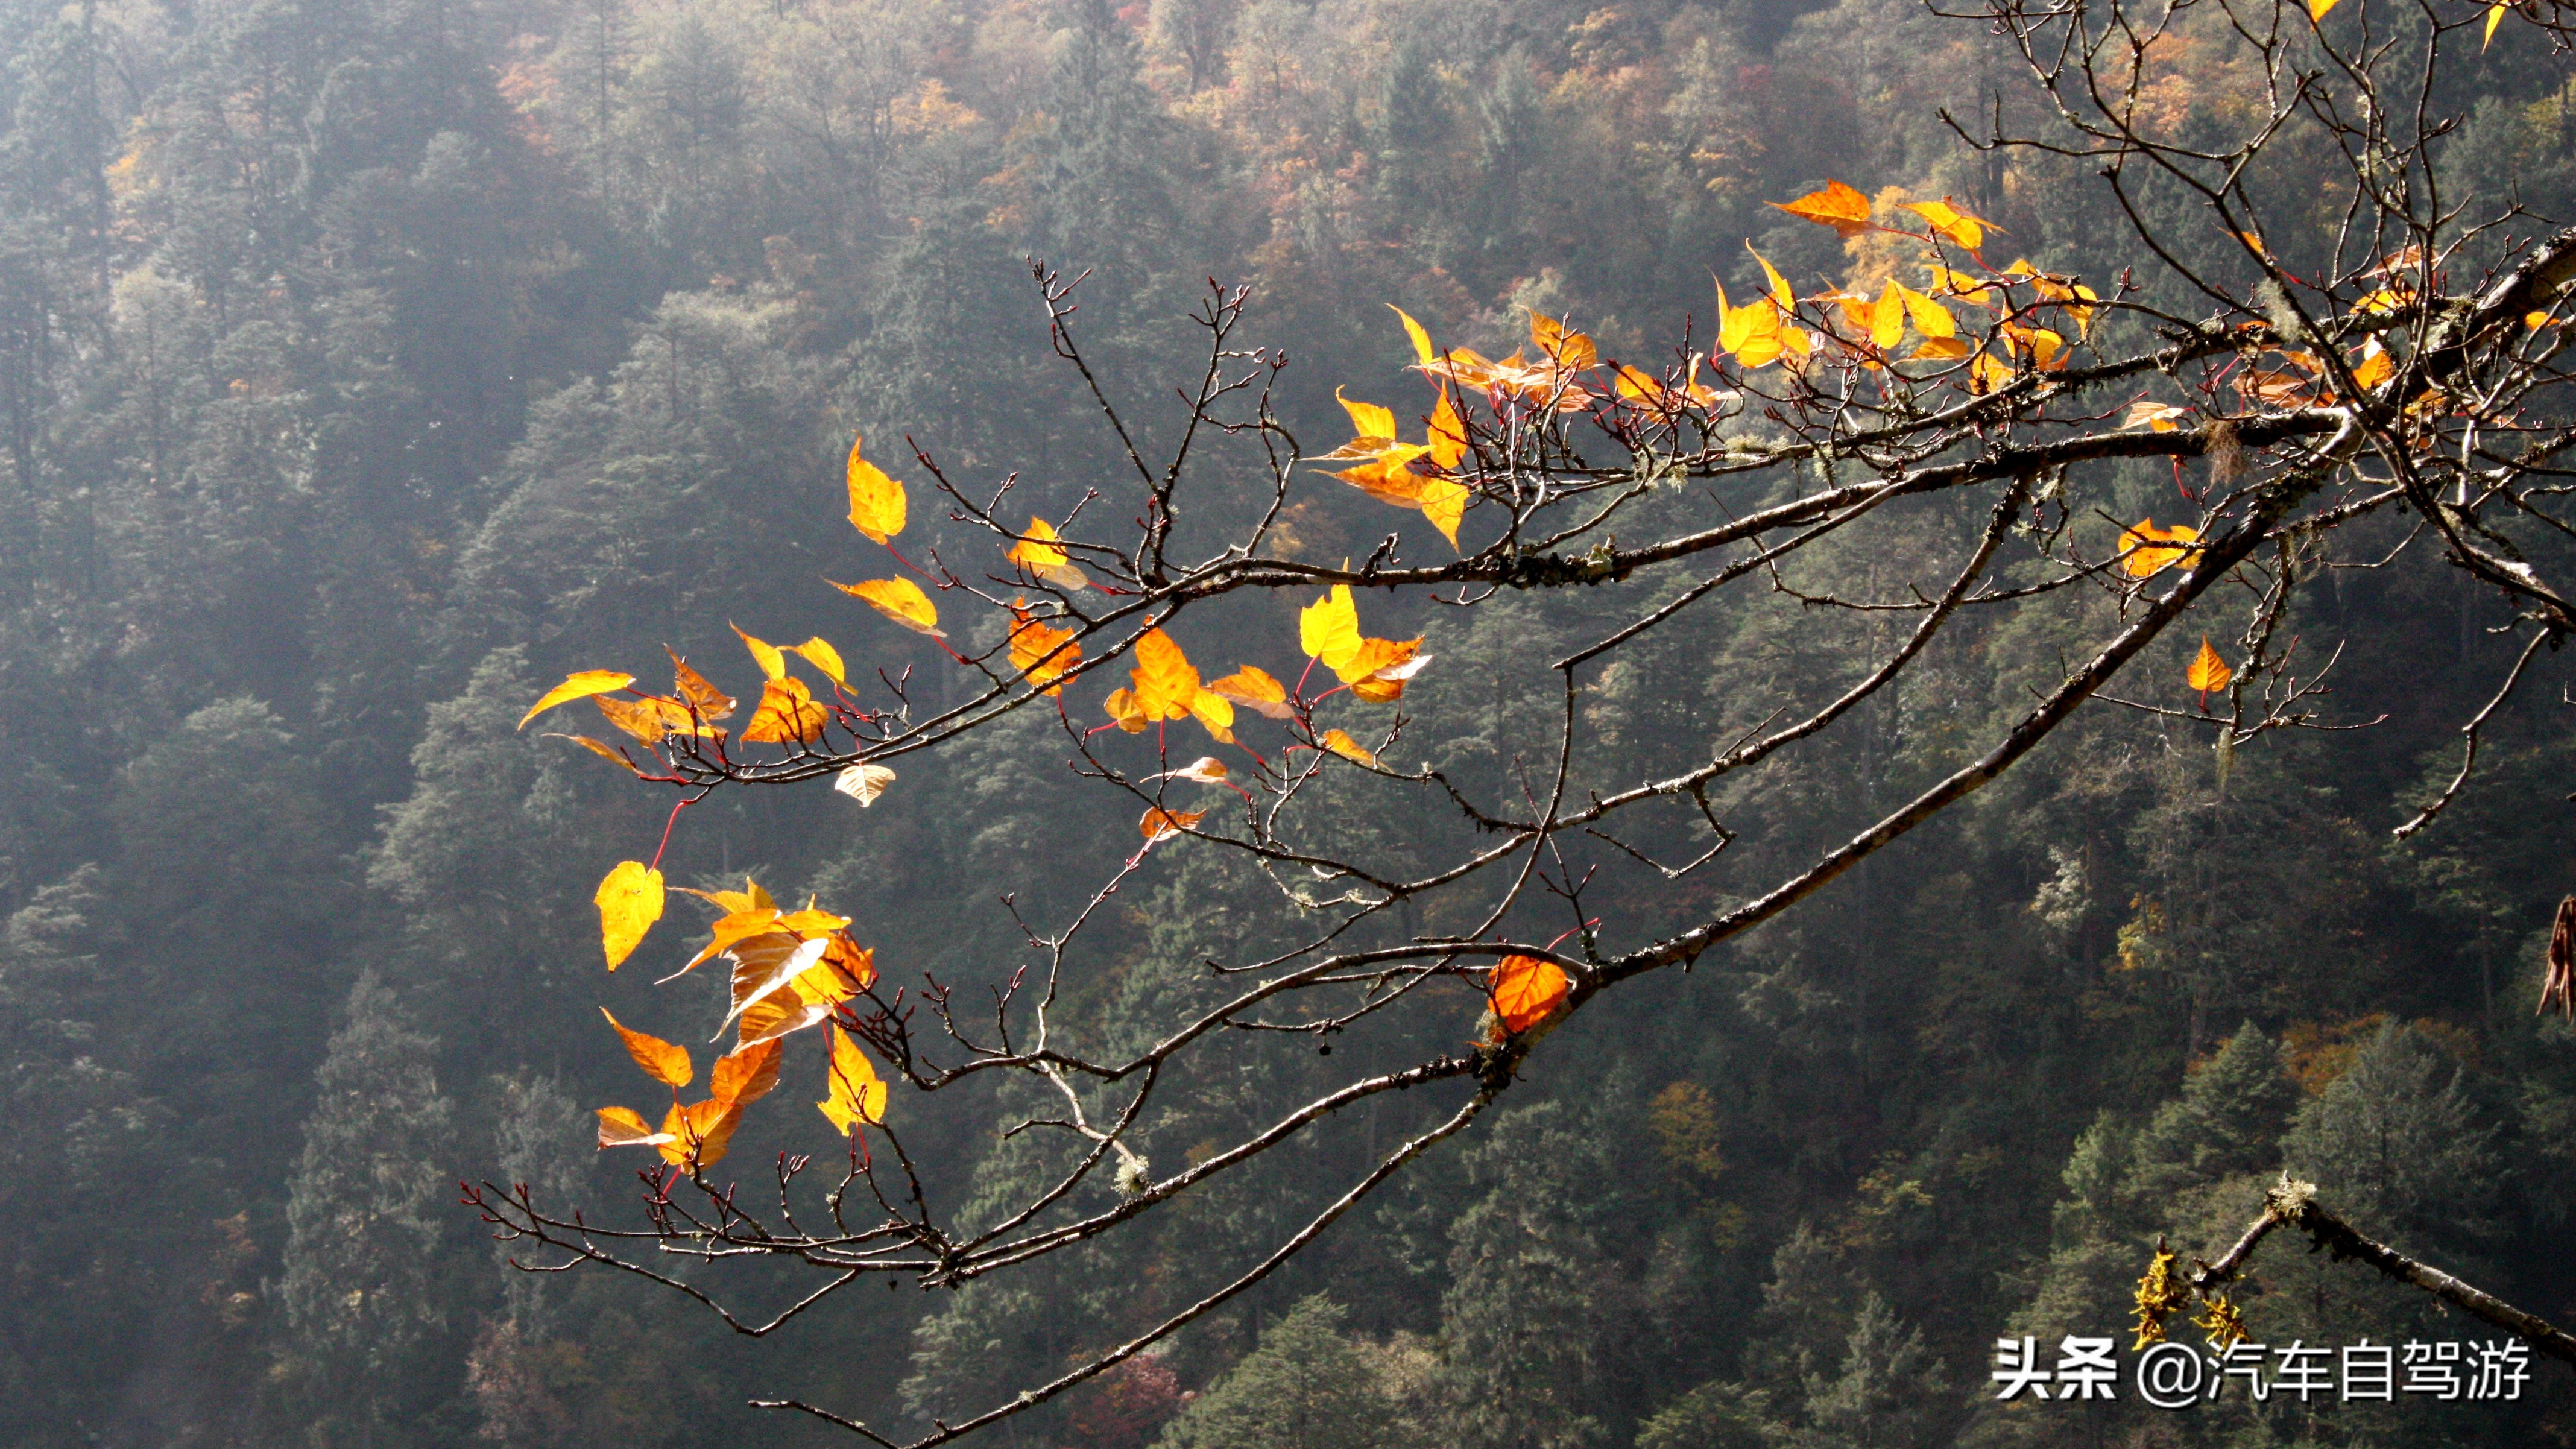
[(1448, 441), (1941, 349), (1566, 348), (1837, 206), (699, 1133), (876, 501), (1043, 653), (2207, 671), (1968, 231), (900, 600), (1164, 680), (863, 782), (1525, 989), (1422, 352), (1042, 554), (1329, 628), (1887, 317), (823, 657), (577, 686), (663, 1061), (745, 1075), (1122, 708), (1214, 713), (605, 752), (1444, 502), (810, 923), (1988, 373), (2151, 550), (741, 925), (853, 1093), (711, 703), (1159, 825), (766, 962), (2317, 9), (787, 712), (2495, 17), (637, 719), (1205, 770), (629, 901), (621, 1127), (771, 659), (1346, 747), (1388, 476), (1378, 670), (750, 898), (1255, 691), (808, 1000), (1930, 318), (1369, 421), (1781, 296)]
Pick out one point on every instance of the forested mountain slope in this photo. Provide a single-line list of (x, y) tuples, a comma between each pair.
[(366, 366)]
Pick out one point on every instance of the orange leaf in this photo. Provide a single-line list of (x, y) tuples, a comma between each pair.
[(740, 925), (621, 1127), (787, 712), (1378, 671), (1042, 554), (1444, 502), (1448, 439), (1043, 653), (629, 901), (1370, 423), (1422, 350), (1122, 708), (711, 703), (900, 600), (772, 660), (577, 686), (1968, 231), (745, 1075), (663, 1061), (2207, 671), (1563, 346), (1837, 206), (2151, 550), (1165, 682), (1255, 690), (876, 501), (1159, 825), (1525, 989), (766, 962), (699, 1133), (853, 1093), (1346, 747)]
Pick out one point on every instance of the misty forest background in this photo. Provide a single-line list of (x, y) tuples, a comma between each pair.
[(366, 364)]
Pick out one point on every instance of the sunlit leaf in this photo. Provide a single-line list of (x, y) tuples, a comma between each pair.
[(1159, 825), (900, 600), (1122, 708), (863, 782), (1968, 231), (604, 751), (786, 714), (711, 703), (1562, 345), (1346, 747), (2156, 416), (700, 1133), (739, 925), (1444, 502), (876, 501), (745, 1075), (1255, 690), (1929, 317), (2495, 17), (621, 1127), (1422, 351), (577, 686), (1887, 317), (2152, 550), (664, 1061), (1206, 770), (1525, 989), (1042, 652), (1329, 628), (1837, 206), (823, 657), (2207, 671), (1369, 422), (1042, 554), (2374, 366), (1378, 669), (629, 901), (853, 1093), (1781, 296), (763, 963), (771, 659), (1164, 680), (2317, 9), (1448, 440)]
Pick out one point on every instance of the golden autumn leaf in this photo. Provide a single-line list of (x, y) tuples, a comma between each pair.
[(1255, 690), (1447, 444), (2156, 416), (711, 703), (650, 718), (621, 1127), (739, 925), (786, 713), (876, 501), (1165, 682), (1043, 653), (1940, 349), (1042, 554), (750, 898), (900, 600), (2495, 17), (1346, 747), (1837, 206), (823, 657), (771, 659), (809, 998), (1563, 346), (2374, 366), (1122, 709), (629, 901), (1215, 714), (1930, 318), (1159, 825), (1444, 502), (1525, 989), (1378, 670), (1389, 477), (1887, 317), (1329, 628), (579, 685), (863, 782), (1372, 426), (664, 1061), (745, 1075), (1968, 231), (699, 1133), (763, 963), (810, 923), (1206, 770), (2151, 550), (2207, 672), (1781, 297), (853, 1093), (2317, 9), (1422, 350), (604, 751)]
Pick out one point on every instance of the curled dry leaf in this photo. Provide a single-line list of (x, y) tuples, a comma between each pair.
[(739, 925), (863, 782), (1159, 825), (1524, 990), (764, 963), (808, 1000), (577, 686), (665, 1062), (630, 901), (1206, 770), (876, 501), (2156, 416), (900, 600)]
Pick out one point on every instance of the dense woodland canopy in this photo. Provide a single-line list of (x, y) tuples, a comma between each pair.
[(366, 366)]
